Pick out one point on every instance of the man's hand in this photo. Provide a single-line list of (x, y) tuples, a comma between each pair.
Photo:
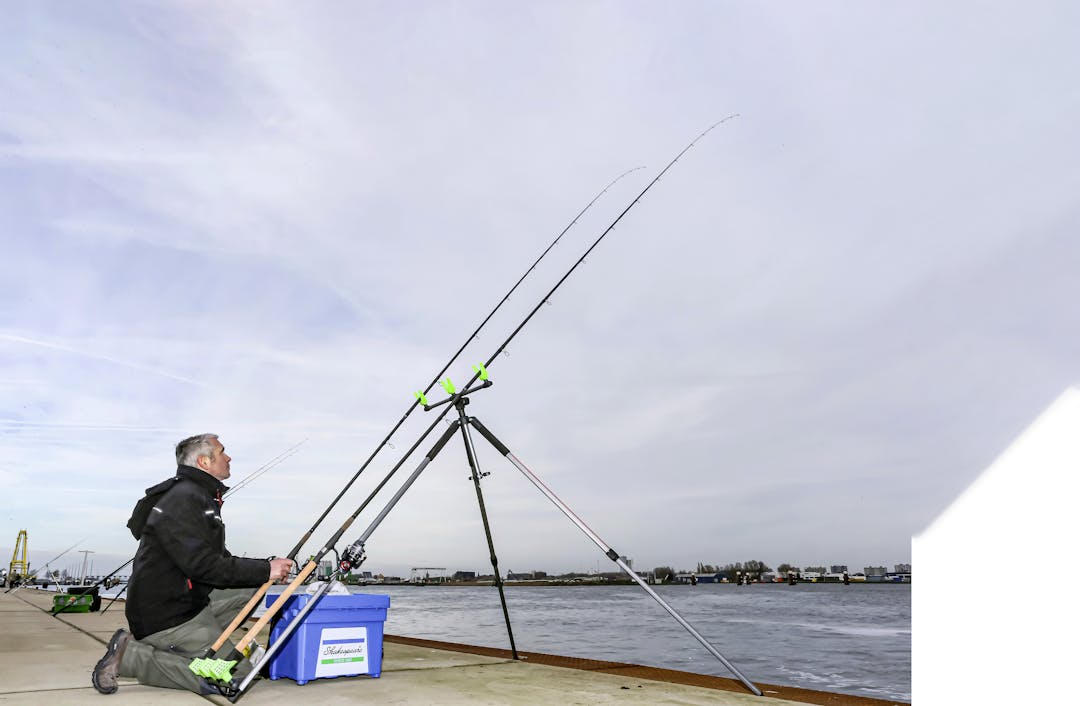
[(279, 569)]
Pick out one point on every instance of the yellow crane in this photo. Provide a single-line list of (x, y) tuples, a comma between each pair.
[(16, 563)]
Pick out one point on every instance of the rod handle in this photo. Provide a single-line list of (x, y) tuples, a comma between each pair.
[(276, 606), (240, 617)]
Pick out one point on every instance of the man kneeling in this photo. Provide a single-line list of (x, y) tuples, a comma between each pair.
[(185, 587)]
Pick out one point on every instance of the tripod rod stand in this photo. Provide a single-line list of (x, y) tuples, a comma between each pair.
[(355, 554)]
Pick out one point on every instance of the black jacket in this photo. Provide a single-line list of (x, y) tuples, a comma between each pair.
[(182, 557)]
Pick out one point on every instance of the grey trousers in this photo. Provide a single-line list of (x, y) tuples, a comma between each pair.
[(162, 659)]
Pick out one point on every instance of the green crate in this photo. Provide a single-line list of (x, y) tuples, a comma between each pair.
[(72, 604)]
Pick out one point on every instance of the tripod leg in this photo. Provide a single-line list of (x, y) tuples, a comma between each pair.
[(611, 553), (474, 465)]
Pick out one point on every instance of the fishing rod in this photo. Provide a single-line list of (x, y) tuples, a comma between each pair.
[(248, 609), (277, 460), (217, 670), (32, 576)]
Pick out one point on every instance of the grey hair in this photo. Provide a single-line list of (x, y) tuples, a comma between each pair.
[(190, 449)]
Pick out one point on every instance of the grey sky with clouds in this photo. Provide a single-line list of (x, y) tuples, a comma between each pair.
[(276, 222)]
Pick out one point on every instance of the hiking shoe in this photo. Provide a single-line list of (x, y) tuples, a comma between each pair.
[(108, 667)]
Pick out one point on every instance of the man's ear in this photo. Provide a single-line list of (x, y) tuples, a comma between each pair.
[(199, 462)]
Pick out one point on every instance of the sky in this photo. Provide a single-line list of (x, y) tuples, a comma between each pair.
[(275, 222)]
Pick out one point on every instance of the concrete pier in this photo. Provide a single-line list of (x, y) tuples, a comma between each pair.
[(47, 659)]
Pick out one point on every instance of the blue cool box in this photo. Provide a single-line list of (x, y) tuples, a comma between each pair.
[(341, 636)]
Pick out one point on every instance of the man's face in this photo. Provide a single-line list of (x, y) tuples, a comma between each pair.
[(216, 465)]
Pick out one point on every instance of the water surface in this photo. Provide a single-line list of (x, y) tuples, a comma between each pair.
[(851, 639)]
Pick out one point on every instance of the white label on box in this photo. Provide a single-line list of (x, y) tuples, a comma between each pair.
[(342, 651)]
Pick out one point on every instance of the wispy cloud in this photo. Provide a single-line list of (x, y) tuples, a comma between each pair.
[(11, 338)]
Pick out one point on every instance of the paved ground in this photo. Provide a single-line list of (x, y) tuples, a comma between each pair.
[(46, 659)]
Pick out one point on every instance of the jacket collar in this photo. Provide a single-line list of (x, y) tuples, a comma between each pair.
[(204, 480)]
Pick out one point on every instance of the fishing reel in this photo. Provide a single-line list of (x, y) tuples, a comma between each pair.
[(353, 556)]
